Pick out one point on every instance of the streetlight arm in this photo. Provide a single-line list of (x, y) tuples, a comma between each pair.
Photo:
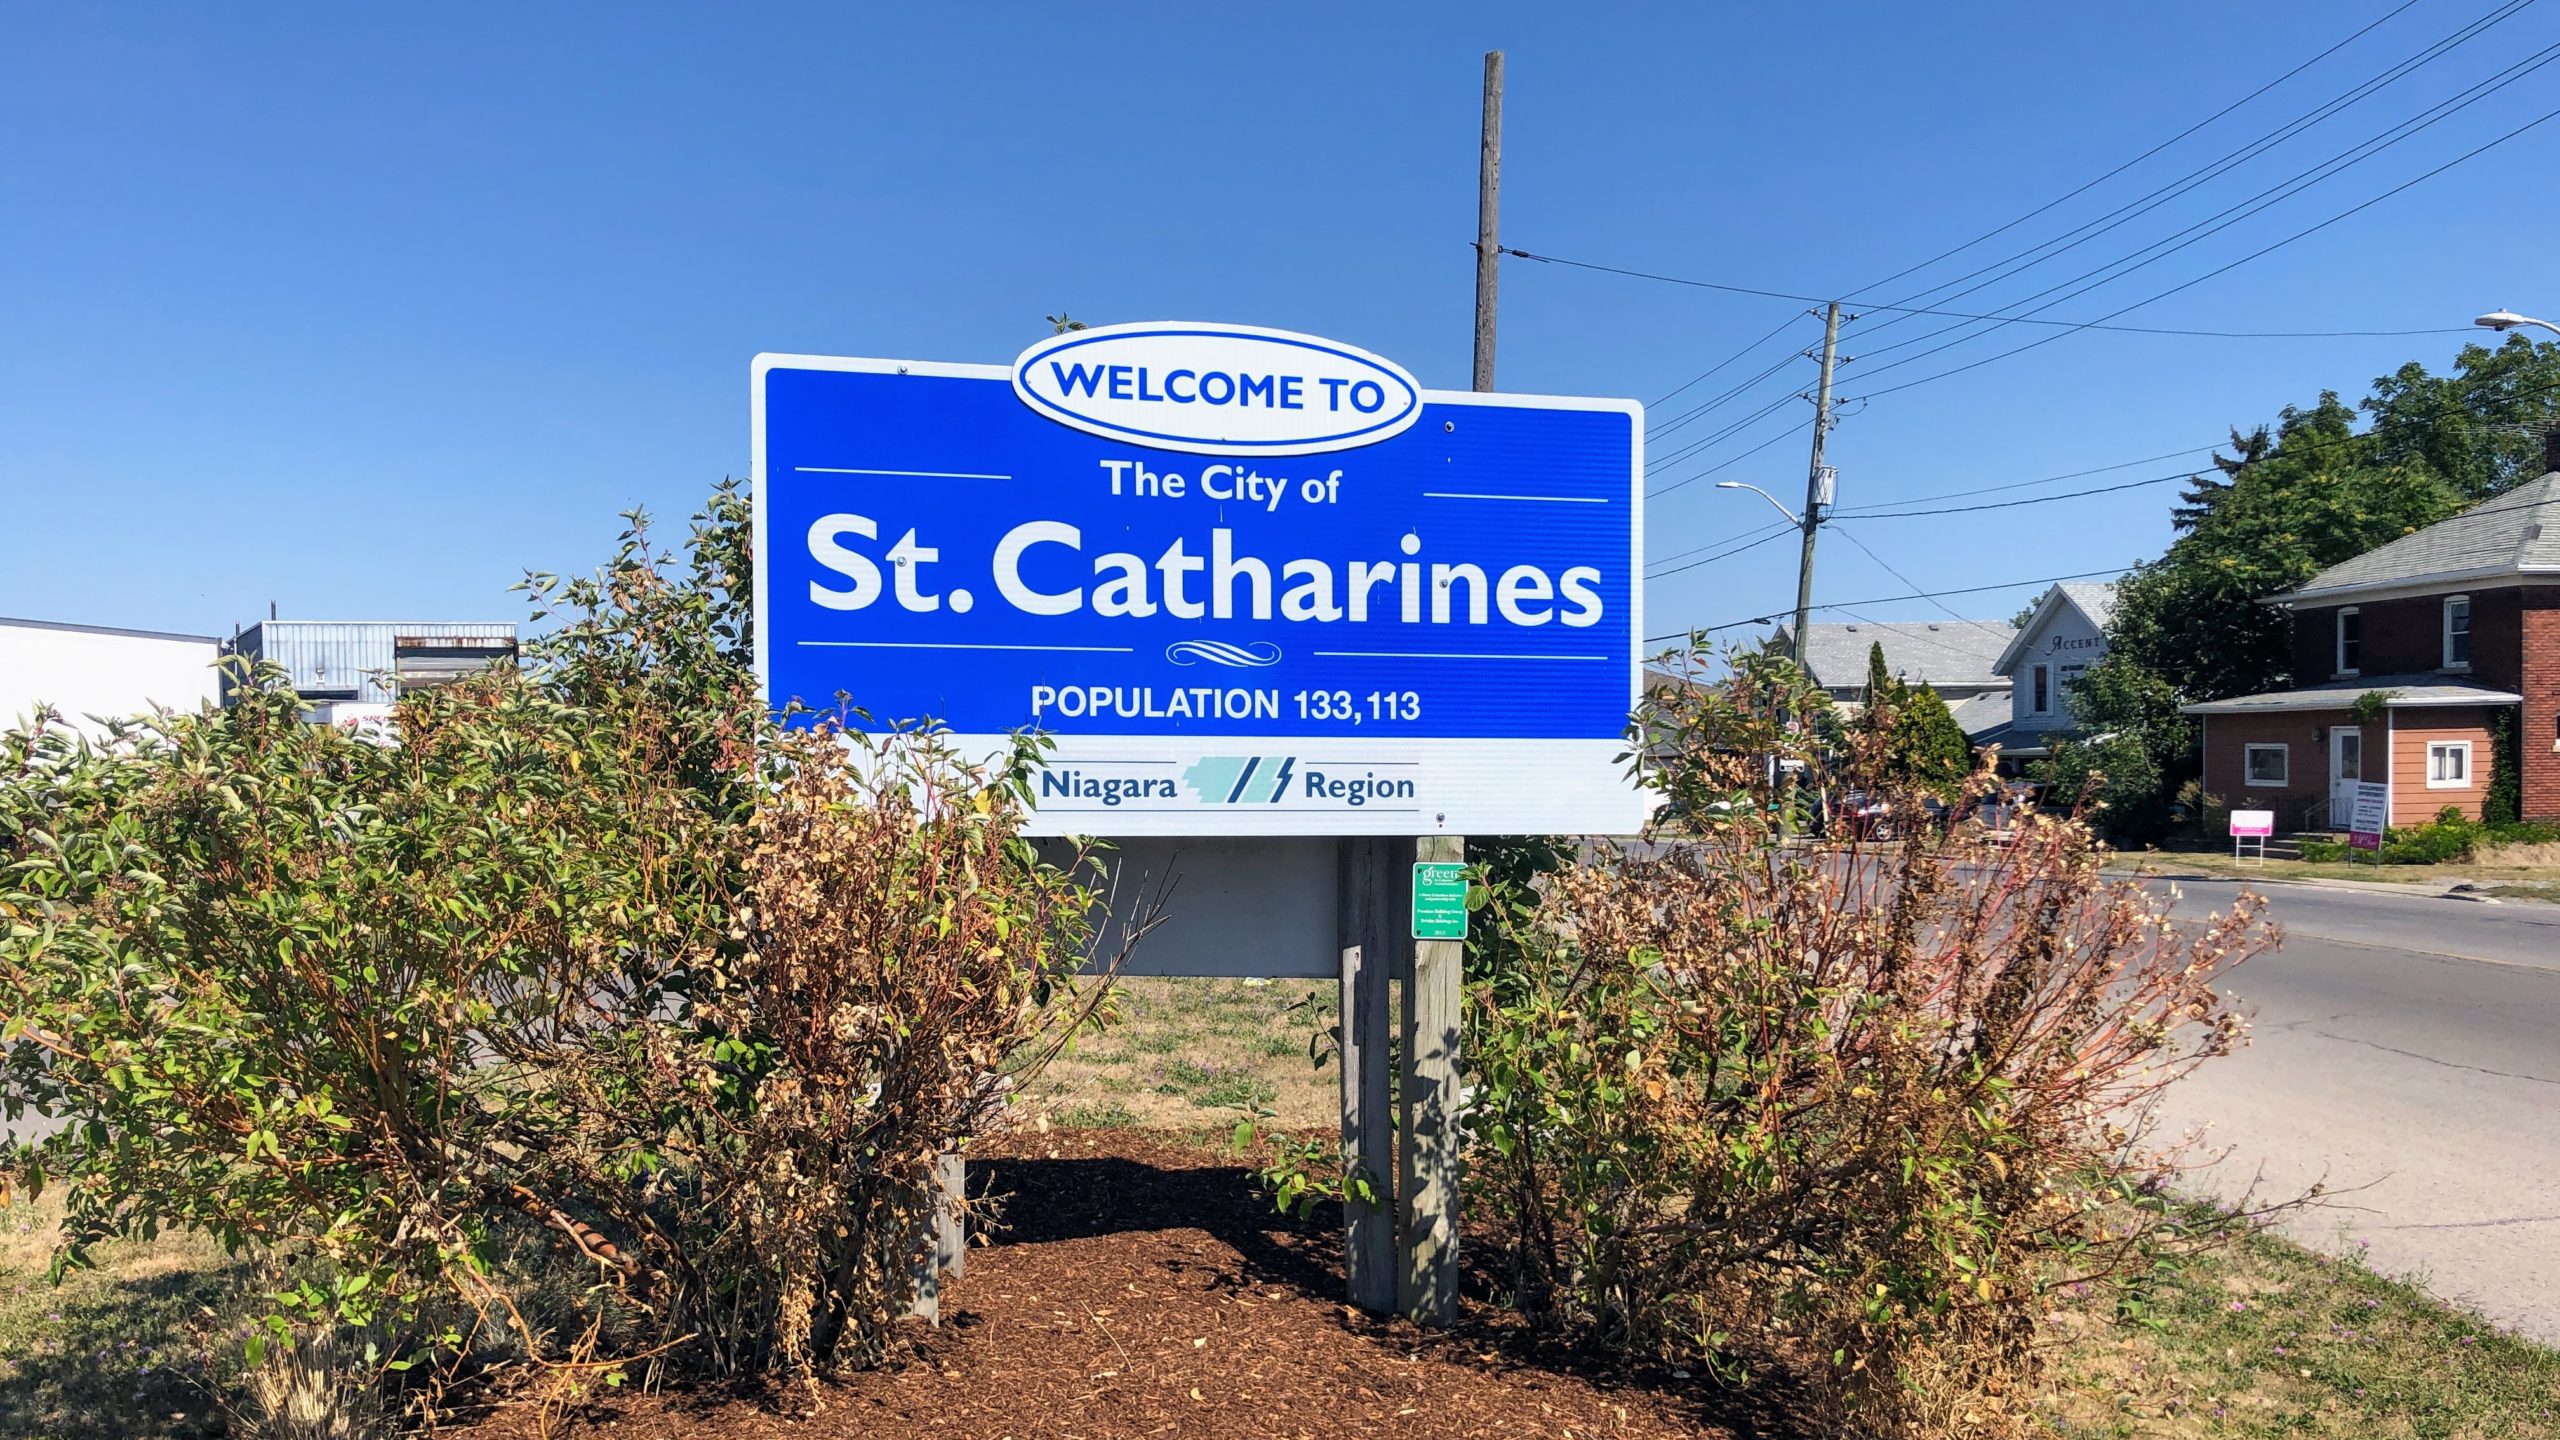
[(1774, 502)]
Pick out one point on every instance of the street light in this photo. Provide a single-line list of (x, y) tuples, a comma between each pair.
[(1792, 517), (2503, 320)]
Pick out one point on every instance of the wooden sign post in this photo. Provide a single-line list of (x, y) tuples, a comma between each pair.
[(1427, 1175), (1370, 903)]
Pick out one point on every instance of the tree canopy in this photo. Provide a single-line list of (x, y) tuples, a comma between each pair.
[(2289, 500)]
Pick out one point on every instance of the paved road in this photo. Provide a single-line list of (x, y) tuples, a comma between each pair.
[(2409, 1046)]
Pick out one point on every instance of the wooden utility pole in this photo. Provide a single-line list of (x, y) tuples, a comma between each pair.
[(1435, 989), (1488, 218), (1811, 519)]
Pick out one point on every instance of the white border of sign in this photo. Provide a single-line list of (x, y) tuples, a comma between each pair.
[(1539, 778)]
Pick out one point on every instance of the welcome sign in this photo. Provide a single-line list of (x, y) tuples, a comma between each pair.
[(1253, 582)]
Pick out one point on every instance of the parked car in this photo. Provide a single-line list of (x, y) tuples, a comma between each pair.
[(1860, 815)]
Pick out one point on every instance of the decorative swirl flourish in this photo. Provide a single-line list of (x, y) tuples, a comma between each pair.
[(1221, 652)]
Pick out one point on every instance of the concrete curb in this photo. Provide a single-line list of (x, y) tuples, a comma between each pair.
[(2412, 890)]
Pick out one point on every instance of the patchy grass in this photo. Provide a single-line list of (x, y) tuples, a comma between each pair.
[(2265, 1338), (1182, 1054), (114, 1352)]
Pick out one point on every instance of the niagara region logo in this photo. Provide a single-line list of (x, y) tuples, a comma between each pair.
[(1240, 779), (1268, 780)]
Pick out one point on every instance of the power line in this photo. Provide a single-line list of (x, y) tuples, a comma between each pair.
[(2284, 448), (1773, 525), (1852, 538), (2467, 155), (2155, 197), (1724, 464), (2090, 229), (2287, 449), (1702, 407), (1868, 305), (2030, 500), (2026, 484), (2152, 200), (2147, 154), (1655, 465), (1887, 600), (1738, 354), (2223, 219), (2490, 507), (1780, 533)]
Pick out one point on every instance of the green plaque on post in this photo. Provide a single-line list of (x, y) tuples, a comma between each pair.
[(1439, 901)]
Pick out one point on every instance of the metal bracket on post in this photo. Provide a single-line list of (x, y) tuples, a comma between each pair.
[(1371, 951), (1427, 1279)]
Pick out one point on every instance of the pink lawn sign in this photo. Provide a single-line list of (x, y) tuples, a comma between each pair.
[(2251, 827)]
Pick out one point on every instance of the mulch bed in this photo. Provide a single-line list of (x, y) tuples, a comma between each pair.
[(1142, 1287)]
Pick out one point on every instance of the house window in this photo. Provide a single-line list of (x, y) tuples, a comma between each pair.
[(2449, 765), (2042, 697), (2350, 641), (2457, 632), (2266, 765)]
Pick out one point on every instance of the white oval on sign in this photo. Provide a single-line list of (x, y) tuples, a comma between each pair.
[(1184, 385)]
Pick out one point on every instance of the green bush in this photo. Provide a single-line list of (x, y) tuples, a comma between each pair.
[(2503, 803), (2451, 838)]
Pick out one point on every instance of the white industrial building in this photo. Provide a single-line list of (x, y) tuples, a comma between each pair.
[(348, 671), (94, 673)]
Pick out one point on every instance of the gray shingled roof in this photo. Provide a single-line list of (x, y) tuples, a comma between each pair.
[(2096, 599), (1982, 714), (1937, 652), (2517, 533)]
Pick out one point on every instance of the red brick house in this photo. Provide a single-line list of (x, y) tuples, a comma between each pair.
[(2449, 627)]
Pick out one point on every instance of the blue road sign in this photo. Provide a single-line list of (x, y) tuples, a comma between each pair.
[(1253, 582)]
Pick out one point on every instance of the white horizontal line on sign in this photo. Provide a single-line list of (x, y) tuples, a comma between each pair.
[(1442, 655), (1246, 805), (908, 474), (1542, 499), (940, 645)]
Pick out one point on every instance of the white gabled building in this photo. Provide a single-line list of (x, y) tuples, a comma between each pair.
[(2064, 635), (95, 673)]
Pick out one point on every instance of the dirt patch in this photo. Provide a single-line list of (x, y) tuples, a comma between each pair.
[(1143, 1289)]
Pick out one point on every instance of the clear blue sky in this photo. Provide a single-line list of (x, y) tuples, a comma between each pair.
[(367, 310)]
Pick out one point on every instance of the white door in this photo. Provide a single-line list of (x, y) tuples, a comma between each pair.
[(2346, 768)]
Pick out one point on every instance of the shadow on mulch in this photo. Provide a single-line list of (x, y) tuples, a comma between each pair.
[(1134, 1285), (1153, 1185)]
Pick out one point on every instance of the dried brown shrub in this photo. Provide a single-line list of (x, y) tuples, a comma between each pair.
[(1860, 1105), (599, 1019)]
